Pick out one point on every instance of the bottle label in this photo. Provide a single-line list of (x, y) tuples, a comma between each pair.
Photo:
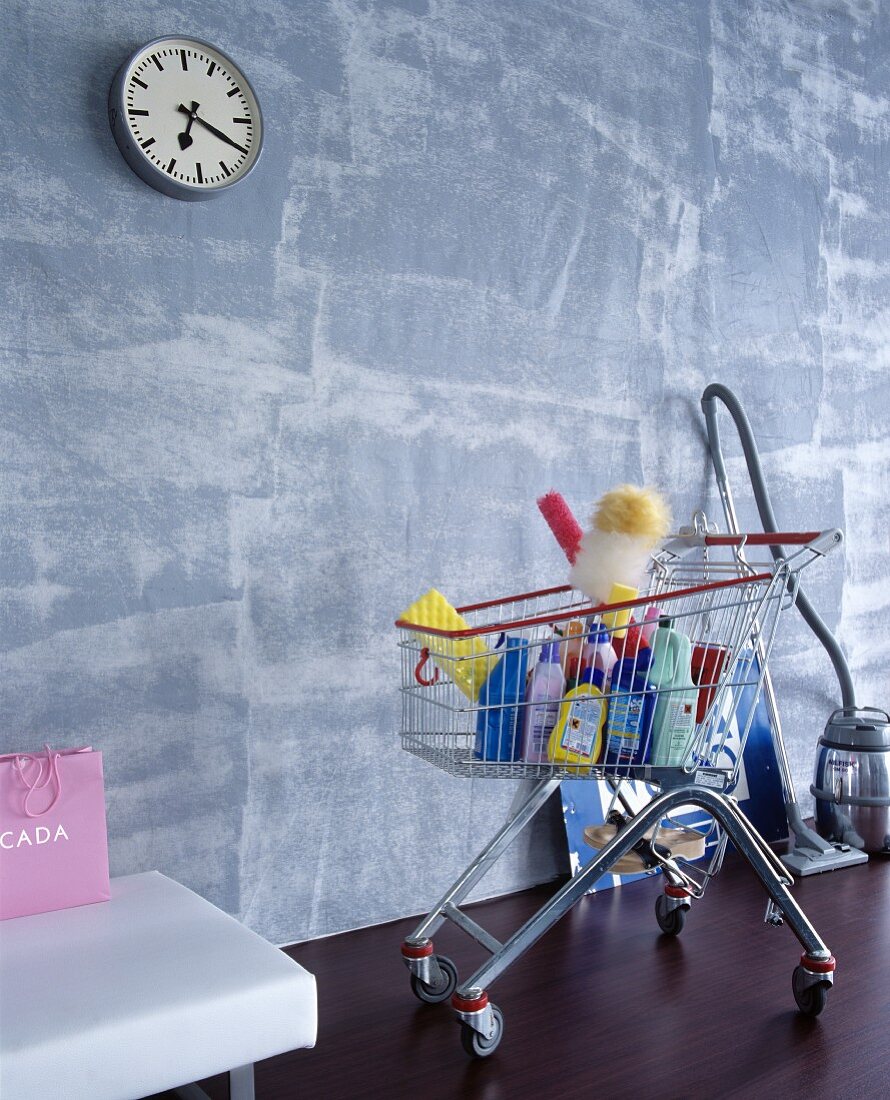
[(543, 721), (681, 726), (625, 721), (582, 726), (681, 719)]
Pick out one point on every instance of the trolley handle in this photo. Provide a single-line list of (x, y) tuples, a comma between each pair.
[(818, 542), (572, 613)]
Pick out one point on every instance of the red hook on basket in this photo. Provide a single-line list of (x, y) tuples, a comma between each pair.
[(418, 670)]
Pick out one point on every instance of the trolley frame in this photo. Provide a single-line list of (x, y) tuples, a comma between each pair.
[(434, 978)]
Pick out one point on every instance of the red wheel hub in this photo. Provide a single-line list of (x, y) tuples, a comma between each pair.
[(417, 950), (818, 966), (469, 1004)]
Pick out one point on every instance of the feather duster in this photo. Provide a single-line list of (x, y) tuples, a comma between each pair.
[(629, 522)]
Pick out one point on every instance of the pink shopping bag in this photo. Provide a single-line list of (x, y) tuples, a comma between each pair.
[(53, 839)]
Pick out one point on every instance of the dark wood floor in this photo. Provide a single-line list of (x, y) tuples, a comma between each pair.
[(606, 1006)]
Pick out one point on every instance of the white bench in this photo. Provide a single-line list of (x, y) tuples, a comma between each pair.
[(144, 993)]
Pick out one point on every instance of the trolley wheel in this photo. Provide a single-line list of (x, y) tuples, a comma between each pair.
[(811, 999), (670, 921), (435, 994), (476, 1045)]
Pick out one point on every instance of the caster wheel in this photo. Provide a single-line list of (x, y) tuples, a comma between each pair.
[(476, 1045), (810, 999), (670, 921), (435, 994)]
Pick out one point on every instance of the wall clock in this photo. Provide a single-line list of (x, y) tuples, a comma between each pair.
[(185, 118)]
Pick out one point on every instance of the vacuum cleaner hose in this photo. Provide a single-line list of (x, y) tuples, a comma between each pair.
[(716, 392)]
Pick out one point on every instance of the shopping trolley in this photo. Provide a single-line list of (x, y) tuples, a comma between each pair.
[(725, 593)]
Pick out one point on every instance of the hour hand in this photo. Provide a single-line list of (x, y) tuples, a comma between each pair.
[(185, 139)]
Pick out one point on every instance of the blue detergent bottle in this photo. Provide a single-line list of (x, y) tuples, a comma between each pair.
[(631, 710), (499, 723)]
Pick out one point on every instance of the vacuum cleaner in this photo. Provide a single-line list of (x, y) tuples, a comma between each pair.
[(852, 773)]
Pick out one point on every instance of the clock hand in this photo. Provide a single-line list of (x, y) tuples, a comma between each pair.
[(184, 139), (219, 134)]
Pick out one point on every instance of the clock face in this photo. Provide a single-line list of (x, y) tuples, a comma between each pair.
[(188, 117)]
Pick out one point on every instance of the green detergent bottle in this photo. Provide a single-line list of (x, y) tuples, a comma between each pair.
[(673, 727)]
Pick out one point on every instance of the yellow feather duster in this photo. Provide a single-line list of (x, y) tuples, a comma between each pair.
[(630, 510), (629, 522)]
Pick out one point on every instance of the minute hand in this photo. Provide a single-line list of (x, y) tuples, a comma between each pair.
[(220, 134)]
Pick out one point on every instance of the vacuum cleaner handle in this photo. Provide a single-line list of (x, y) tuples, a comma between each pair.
[(857, 710), (716, 392)]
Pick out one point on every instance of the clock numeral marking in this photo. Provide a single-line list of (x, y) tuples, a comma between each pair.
[(184, 62), (199, 172), (222, 165), (141, 83), (131, 111), (235, 91), (243, 121), (145, 144), (154, 58), (212, 67), (170, 165)]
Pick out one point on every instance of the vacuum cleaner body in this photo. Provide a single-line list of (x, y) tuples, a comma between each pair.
[(852, 780)]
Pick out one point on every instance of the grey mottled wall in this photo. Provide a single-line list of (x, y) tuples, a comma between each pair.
[(491, 248)]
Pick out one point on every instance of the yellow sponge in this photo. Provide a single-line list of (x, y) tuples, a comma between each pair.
[(617, 620), (463, 659)]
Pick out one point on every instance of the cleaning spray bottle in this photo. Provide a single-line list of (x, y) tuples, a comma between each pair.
[(542, 712), (670, 670), (571, 650), (650, 623), (598, 652), (577, 737)]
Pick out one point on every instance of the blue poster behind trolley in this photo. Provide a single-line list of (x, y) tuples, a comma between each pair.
[(758, 790)]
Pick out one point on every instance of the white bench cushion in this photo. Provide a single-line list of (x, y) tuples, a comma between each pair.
[(150, 990)]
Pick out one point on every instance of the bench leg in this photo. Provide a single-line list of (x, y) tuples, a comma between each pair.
[(240, 1086), (241, 1083), (191, 1092)]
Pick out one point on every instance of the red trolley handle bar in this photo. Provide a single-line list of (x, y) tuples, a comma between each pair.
[(574, 613), (765, 538), (757, 538)]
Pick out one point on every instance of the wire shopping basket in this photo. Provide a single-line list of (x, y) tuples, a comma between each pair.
[(709, 589), (626, 710)]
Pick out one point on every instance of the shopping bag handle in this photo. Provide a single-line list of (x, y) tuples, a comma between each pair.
[(22, 760)]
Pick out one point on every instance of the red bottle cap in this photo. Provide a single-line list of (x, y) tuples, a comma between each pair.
[(632, 642)]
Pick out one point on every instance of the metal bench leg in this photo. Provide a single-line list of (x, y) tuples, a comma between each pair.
[(191, 1092), (240, 1086), (241, 1083)]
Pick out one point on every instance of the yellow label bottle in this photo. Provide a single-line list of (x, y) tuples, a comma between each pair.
[(577, 738)]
